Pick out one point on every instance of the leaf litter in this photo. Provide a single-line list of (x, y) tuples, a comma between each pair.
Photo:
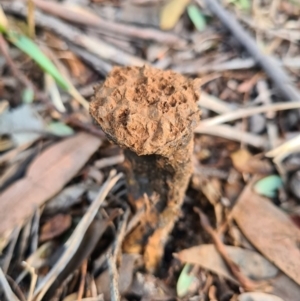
[(62, 239)]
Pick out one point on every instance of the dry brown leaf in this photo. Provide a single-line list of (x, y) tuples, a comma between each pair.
[(252, 264), (243, 161), (55, 226), (46, 176), (270, 230), (285, 288)]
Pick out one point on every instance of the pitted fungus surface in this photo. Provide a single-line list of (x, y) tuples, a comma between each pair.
[(147, 110)]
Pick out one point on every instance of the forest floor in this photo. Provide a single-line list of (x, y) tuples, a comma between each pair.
[(68, 223)]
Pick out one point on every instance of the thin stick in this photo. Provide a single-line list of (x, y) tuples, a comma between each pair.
[(114, 278), (247, 112), (82, 280), (243, 280), (15, 288), (62, 11), (234, 134), (14, 237), (33, 281), (6, 288), (74, 241), (268, 63), (112, 259)]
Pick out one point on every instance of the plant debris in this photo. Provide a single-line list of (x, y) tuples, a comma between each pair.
[(111, 185)]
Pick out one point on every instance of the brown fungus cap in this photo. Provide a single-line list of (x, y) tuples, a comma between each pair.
[(147, 110)]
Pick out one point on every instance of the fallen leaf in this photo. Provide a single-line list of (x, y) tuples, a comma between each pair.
[(252, 264), (23, 124), (3, 21), (257, 296), (45, 177), (171, 13), (55, 226), (186, 281), (66, 198), (27, 95), (270, 230), (285, 288), (244, 161), (268, 186), (197, 17), (60, 129)]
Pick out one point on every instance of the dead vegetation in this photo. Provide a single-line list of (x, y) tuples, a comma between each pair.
[(175, 208)]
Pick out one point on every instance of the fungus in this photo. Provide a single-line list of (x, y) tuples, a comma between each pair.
[(151, 114)]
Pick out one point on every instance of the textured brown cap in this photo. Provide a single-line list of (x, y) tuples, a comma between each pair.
[(147, 110)]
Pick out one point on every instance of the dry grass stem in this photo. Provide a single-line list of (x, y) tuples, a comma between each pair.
[(247, 112)]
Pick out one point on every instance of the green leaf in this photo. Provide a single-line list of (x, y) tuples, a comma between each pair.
[(31, 49), (185, 281), (196, 17), (245, 5), (268, 186), (241, 4), (27, 95), (60, 129)]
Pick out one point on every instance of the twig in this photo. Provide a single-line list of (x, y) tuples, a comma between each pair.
[(194, 67), (68, 14), (35, 230), (33, 281), (73, 121), (265, 97), (112, 259), (15, 287), (82, 280), (109, 161), (14, 237), (281, 152), (114, 278), (74, 241), (274, 71), (213, 103), (243, 280), (100, 66), (231, 133), (6, 288), (247, 112)]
